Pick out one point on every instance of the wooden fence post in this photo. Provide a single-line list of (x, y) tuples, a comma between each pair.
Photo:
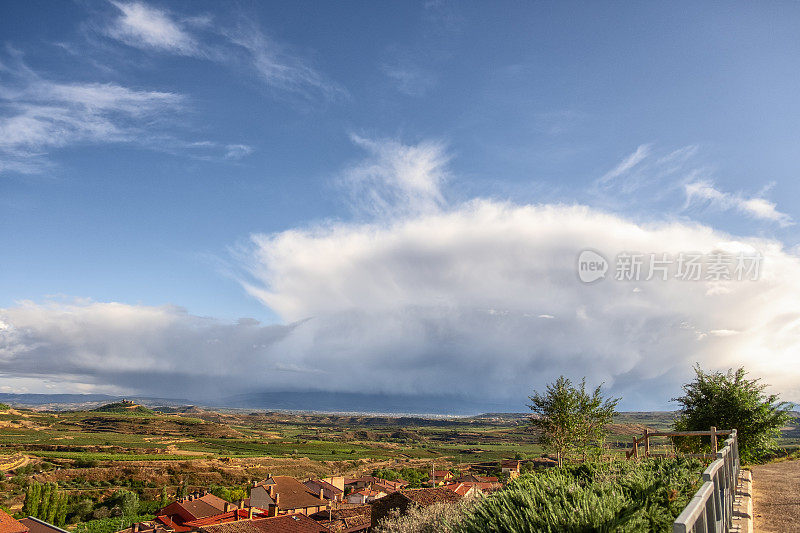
[(714, 441), (646, 442), (635, 448)]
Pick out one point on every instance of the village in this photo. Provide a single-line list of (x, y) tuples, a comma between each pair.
[(281, 504)]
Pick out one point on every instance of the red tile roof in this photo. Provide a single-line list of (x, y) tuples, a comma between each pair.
[(186, 509), (244, 514), (8, 524), (464, 487), (403, 499), (291, 523), (294, 495), (35, 525), (347, 519), (425, 497), (322, 484)]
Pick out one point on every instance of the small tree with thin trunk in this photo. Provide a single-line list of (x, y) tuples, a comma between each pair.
[(557, 417), (596, 413)]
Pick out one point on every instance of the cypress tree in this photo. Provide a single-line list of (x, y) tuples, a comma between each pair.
[(61, 512), (44, 501), (32, 498), (52, 508)]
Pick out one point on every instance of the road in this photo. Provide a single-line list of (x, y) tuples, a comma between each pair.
[(776, 497)]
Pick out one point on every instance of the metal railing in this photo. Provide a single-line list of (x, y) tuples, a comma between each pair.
[(711, 508)]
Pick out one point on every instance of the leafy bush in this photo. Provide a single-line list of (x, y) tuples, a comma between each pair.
[(110, 525), (731, 401), (618, 496), (436, 518)]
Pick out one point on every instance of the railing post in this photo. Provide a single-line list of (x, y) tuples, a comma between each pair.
[(714, 441), (646, 442), (635, 448)]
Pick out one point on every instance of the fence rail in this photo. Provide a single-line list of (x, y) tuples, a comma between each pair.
[(711, 508), (645, 440)]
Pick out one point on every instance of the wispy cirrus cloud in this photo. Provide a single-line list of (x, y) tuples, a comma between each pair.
[(396, 178), (704, 192), (409, 78), (642, 151), (39, 115), (144, 26)]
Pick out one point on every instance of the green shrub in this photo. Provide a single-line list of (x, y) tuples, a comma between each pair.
[(731, 401), (624, 496), (110, 525)]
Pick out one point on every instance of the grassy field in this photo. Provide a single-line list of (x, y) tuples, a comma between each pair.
[(124, 446)]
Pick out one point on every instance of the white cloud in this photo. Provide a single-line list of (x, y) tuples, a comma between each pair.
[(408, 78), (479, 299), (397, 307), (237, 151), (758, 208), (648, 176), (39, 115), (279, 68), (144, 26), (398, 179), (459, 292), (642, 151)]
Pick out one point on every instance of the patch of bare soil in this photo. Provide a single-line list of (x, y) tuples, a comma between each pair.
[(776, 497)]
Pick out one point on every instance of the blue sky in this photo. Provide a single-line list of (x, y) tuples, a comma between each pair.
[(162, 154)]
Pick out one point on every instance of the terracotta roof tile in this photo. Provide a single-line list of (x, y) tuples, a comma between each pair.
[(35, 525), (294, 495), (8, 524), (291, 523)]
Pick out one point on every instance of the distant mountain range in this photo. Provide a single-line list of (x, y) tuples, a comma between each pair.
[(320, 402), (276, 401)]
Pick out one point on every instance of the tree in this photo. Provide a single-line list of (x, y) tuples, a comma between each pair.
[(33, 498), (731, 401), (61, 511), (164, 500), (567, 417), (52, 507), (597, 412), (44, 504)]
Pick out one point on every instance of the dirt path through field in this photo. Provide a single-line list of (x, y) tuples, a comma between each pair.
[(776, 497)]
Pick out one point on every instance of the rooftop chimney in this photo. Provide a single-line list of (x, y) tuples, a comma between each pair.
[(321, 493), (227, 507)]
